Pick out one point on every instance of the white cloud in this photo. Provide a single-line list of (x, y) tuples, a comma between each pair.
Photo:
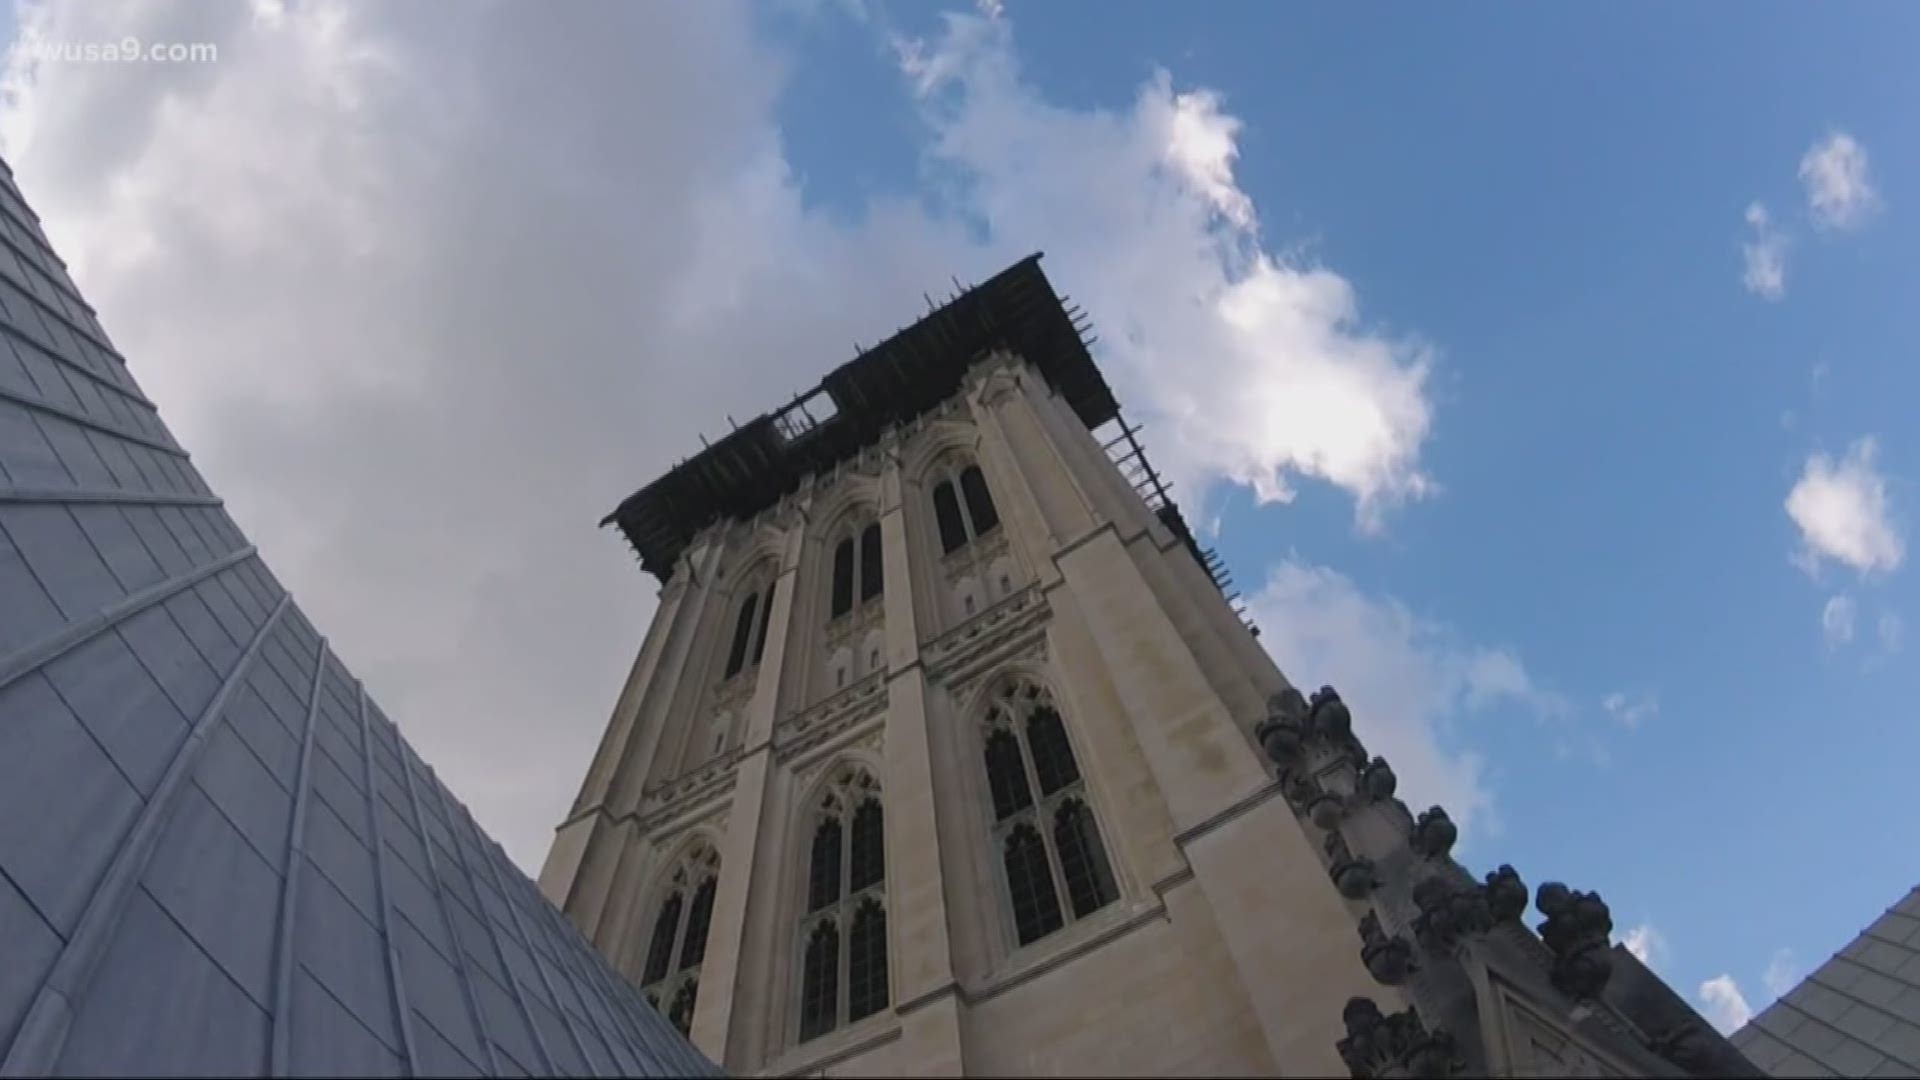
[(1726, 1007), (1408, 680), (1836, 620), (425, 308), (1256, 366), (1764, 255), (1782, 973), (1840, 192), (1646, 944), (1843, 513), (1630, 709)]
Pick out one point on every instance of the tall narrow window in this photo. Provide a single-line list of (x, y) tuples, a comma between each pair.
[(980, 512), (867, 862), (1089, 883), (666, 927), (872, 576), (760, 631), (1050, 851), (820, 981), (1053, 763), (742, 635), (946, 512), (857, 573), (1036, 906), (962, 506), (843, 931), (1006, 775), (867, 961), (680, 1014), (699, 919), (823, 877), (842, 578), (671, 974)]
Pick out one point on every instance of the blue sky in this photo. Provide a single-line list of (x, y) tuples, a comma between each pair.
[(1536, 522)]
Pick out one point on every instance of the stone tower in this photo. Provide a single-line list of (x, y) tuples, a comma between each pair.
[(945, 754)]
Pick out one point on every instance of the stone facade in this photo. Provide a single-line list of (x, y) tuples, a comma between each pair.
[(1234, 918)]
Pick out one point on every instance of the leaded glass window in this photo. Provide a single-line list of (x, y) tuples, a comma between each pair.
[(843, 930), (678, 942), (1053, 863)]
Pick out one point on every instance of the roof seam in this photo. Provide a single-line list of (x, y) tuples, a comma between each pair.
[(558, 958), (282, 1044), (460, 954), (43, 1031), (403, 1013), (520, 929), (486, 920), (194, 941), (80, 631), (85, 421), (105, 496)]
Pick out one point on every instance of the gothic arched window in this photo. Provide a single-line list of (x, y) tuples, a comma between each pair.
[(982, 518), (678, 943), (749, 641), (946, 512), (962, 507), (1050, 851), (843, 928), (760, 632), (873, 579), (742, 634), (857, 570), (842, 578)]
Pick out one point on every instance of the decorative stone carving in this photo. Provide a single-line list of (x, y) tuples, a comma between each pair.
[(1578, 929), (1400, 1045), (1449, 911), (732, 694), (1389, 959), (1377, 781), (999, 383), (1352, 875), (1687, 1045), (1030, 650), (1329, 715), (836, 713), (864, 616), (975, 558), (689, 796), (962, 648), (1506, 894), (1283, 731), (1299, 791), (689, 786), (1434, 833), (1326, 808)]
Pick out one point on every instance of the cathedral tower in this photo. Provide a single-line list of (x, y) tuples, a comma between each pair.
[(945, 753)]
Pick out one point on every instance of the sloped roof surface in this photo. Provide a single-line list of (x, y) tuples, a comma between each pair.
[(1858, 1015), (216, 855)]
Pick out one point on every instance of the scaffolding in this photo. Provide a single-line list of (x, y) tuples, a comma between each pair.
[(1130, 458)]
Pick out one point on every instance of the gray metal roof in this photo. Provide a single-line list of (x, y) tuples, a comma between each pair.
[(1858, 1015), (216, 855)]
